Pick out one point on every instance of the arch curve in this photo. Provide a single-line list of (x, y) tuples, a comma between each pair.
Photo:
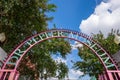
[(18, 53)]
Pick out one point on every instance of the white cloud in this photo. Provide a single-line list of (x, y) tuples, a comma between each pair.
[(105, 17), (74, 74), (76, 45)]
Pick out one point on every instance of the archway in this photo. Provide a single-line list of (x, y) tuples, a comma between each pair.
[(111, 70)]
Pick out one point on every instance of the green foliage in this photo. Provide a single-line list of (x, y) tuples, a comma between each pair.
[(91, 64), (59, 45), (22, 18), (62, 70), (43, 58), (107, 43)]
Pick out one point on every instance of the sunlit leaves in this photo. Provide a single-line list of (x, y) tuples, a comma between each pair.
[(23, 18), (91, 64)]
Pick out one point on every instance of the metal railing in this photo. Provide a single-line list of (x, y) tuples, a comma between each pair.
[(110, 75)]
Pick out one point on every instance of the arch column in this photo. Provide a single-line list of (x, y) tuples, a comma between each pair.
[(9, 74)]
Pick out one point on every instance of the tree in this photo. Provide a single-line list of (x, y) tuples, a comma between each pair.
[(40, 55), (22, 18), (91, 64), (62, 70)]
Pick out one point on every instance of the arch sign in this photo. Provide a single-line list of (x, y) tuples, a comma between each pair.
[(9, 65)]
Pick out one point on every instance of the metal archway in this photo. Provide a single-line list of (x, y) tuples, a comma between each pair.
[(111, 70)]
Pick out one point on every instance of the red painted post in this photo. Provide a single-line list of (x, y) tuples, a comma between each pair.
[(119, 74), (1, 73), (17, 76), (12, 76), (105, 76), (110, 76), (99, 77), (5, 75)]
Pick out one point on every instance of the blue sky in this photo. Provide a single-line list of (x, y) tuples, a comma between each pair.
[(87, 16), (69, 14)]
